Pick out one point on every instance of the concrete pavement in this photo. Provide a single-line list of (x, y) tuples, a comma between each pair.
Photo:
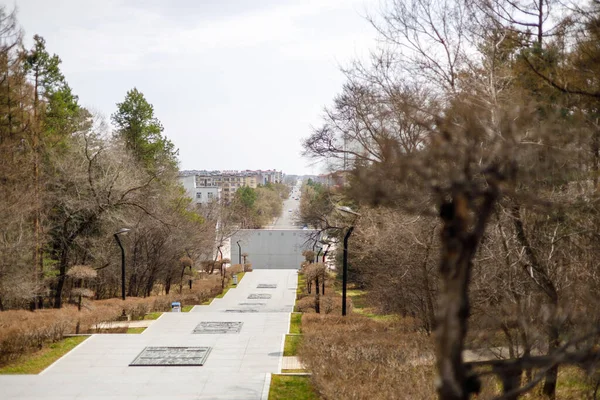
[(236, 367)]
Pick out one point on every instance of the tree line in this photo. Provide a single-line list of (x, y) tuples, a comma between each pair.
[(472, 139), (256, 208), (68, 182)]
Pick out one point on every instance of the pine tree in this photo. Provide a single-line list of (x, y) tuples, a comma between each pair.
[(143, 132)]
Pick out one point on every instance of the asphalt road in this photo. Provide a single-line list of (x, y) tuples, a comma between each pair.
[(287, 218)]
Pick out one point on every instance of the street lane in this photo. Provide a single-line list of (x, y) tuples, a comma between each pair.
[(287, 218)]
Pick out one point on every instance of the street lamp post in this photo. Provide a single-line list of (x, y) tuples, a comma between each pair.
[(240, 253), (116, 235), (345, 269), (347, 210), (325, 269)]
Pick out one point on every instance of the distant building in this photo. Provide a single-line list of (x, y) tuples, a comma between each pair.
[(270, 176), (200, 190), (205, 186), (336, 179)]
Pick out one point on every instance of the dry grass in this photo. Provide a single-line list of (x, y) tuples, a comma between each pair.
[(330, 304), (573, 384), (357, 358), (23, 332)]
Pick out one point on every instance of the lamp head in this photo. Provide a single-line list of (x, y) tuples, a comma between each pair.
[(347, 210)]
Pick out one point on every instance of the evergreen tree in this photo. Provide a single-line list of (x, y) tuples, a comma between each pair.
[(143, 132)]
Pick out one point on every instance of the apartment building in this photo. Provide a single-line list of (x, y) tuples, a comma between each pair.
[(270, 176), (204, 186), (336, 179), (199, 190)]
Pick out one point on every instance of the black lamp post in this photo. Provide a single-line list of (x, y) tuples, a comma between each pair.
[(240, 253), (345, 269), (116, 235), (325, 242)]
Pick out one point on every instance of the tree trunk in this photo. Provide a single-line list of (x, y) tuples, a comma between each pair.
[(62, 276), (430, 309), (181, 280), (132, 289), (543, 281), (596, 155), (168, 285), (317, 299), (149, 286), (459, 246), (549, 389)]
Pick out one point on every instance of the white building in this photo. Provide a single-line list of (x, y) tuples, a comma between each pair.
[(199, 194)]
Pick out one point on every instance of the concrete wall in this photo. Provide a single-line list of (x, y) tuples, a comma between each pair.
[(272, 249)]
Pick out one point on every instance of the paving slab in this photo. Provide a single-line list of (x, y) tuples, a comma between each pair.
[(236, 367)]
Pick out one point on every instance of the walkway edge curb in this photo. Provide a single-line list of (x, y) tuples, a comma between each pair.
[(266, 387)]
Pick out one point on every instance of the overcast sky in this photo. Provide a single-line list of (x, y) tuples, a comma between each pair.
[(237, 84)]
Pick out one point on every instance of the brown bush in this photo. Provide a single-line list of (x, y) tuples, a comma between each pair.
[(235, 269), (354, 357), (329, 304), (306, 304), (24, 331), (247, 267)]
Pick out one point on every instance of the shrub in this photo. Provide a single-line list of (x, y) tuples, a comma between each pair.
[(306, 304), (247, 267), (235, 269), (330, 304), (24, 331), (354, 357)]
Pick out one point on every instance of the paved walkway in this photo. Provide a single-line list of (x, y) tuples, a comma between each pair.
[(291, 363), (236, 367)]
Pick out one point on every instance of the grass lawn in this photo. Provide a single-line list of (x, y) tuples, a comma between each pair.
[(153, 315), (187, 308), (36, 362), (359, 305), (135, 330), (296, 323), (293, 371), (284, 387), (290, 346), (301, 283)]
